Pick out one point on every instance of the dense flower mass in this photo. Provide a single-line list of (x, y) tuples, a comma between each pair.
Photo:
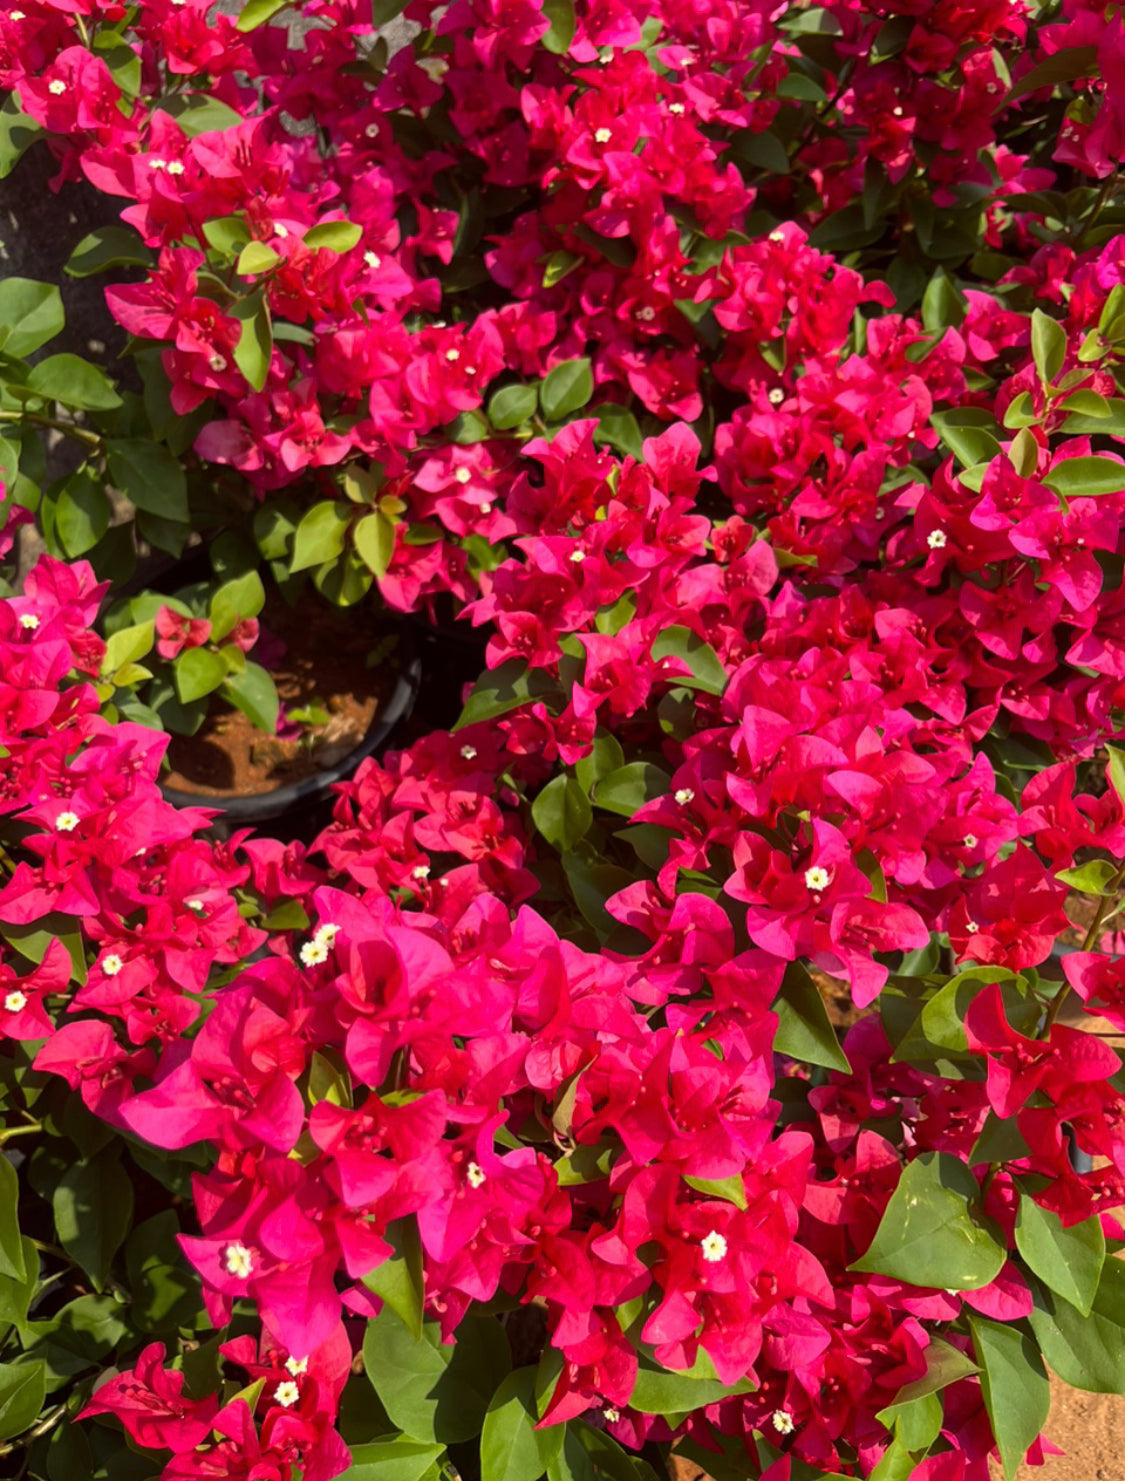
[(751, 374)]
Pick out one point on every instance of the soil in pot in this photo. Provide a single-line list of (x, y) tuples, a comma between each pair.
[(324, 667)]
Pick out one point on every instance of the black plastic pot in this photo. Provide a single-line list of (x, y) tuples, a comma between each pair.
[(300, 809)]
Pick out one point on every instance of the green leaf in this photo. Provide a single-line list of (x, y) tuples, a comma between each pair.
[(11, 1245), (399, 1281), (256, 257), (566, 388), (393, 1458), (227, 234), (321, 536), (1086, 477), (33, 940), (562, 812), (627, 789), (945, 1364), (16, 1296), (374, 540), (803, 1028), (197, 672), (561, 15), (256, 13), (617, 428), (731, 1190), (605, 756), (1048, 345), (1016, 1390), (501, 689), (1068, 1261), (254, 693), (197, 113), (706, 671), (82, 513), (338, 236), (385, 11), (1061, 66), (512, 405), (658, 1391), (968, 434), (18, 132), (164, 1288), (1091, 878), (943, 303), (31, 313), (932, 1232), (108, 246), (23, 1387), (1088, 1352), (511, 1448), (435, 1392), (235, 600), (1117, 771), (1087, 404), (93, 1207), (253, 353), (150, 477), (73, 382)]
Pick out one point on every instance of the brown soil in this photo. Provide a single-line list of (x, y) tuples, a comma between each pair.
[(325, 664)]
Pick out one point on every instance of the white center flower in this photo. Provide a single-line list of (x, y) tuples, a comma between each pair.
[(577, 557), (782, 1421), (313, 953), (326, 933), (646, 313), (897, 110), (217, 363), (156, 163), (602, 136), (175, 167), (683, 795), (196, 905), (468, 753), (777, 235), (66, 822), (713, 1247), (286, 1394), (972, 928), (474, 1175), (112, 964), (676, 108), (296, 1366), (17, 15), (420, 871), (453, 356), (816, 878), (29, 621), (936, 540), (612, 1415), (372, 259), (15, 1002), (485, 508), (462, 475), (776, 396), (56, 88), (280, 230), (238, 1260), (970, 840)]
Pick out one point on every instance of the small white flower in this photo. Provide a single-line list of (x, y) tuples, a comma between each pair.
[(972, 928), (56, 88), (646, 313), (175, 167), (238, 1260), (602, 136), (897, 110), (776, 396), (372, 259), (66, 822), (453, 355), (474, 1175), (485, 508), (782, 1421), (371, 131), (112, 964), (577, 557), (217, 363), (970, 840), (462, 475), (196, 905), (468, 753), (15, 1002), (683, 795), (156, 163), (713, 1247), (286, 1394), (17, 15), (313, 953), (420, 871), (816, 878), (676, 108), (936, 540), (29, 621), (326, 932), (777, 235), (296, 1366), (612, 1415)]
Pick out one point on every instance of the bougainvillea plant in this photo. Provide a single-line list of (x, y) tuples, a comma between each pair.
[(751, 374)]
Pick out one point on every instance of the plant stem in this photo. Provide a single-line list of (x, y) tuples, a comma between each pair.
[(53, 424), (1107, 899), (20, 1130)]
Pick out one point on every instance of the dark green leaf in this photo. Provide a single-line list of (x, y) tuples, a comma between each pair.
[(1086, 477), (11, 1246), (501, 689), (393, 1458), (627, 789), (82, 512), (73, 382), (617, 428), (561, 15), (562, 812), (803, 1029), (967, 439), (108, 246), (1067, 1260), (1016, 1391), (511, 1448), (384, 11), (566, 388), (16, 1295), (30, 314), (93, 1206), (1048, 345), (149, 477), (945, 1364), (398, 1281), (197, 113), (197, 672), (1061, 66), (1088, 1352), (512, 405), (33, 940), (932, 1232), (943, 303), (18, 132), (604, 757), (165, 1290), (255, 694), (254, 351), (706, 670), (23, 1387)]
